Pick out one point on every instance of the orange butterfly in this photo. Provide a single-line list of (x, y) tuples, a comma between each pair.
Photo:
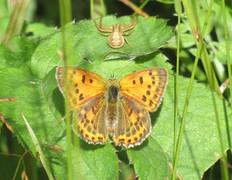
[(119, 109)]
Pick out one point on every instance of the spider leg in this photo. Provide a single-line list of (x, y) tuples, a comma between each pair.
[(103, 28), (127, 33), (105, 34), (131, 25), (127, 41)]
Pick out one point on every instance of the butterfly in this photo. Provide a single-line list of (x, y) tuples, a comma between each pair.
[(119, 109)]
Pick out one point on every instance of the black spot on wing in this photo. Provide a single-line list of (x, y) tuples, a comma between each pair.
[(128, 134), (130, 112), (141, 80), (81, 97), (137, 127), (121, 140), (150, 103), (100, 139), (155, 96), (83, 79), (93, 110), (144, 99), (133, 131), (89, 129)]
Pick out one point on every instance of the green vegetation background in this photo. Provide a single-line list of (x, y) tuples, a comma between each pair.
[(27, 68)]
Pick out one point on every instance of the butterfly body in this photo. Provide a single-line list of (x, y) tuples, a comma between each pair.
[(113, 108), (112, 101)]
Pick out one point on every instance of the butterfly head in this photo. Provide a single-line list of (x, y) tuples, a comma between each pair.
[(112, 80)]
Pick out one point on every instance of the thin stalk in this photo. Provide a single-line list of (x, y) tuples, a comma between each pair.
[(16, 21), (65, 18), (103, 8), (91, 9), (165, 1), (224, 168), (135, 8), (97, 8), (192, 16), (227, 44), (141, 7), (177, 152), (177, 77), (199, 51), (38, 149)]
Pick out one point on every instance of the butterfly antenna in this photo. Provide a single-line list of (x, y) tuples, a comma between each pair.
[(96, 66), (130, 61)]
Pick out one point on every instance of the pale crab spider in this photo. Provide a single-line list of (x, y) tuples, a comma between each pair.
[(115, 33)]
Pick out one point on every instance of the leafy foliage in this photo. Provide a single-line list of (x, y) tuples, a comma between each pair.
[(28, 74)]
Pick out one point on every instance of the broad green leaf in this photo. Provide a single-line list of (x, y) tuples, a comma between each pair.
[(19, 53), (187, 40), (32, 82), (92, 159), (200, 142), (219, 24), (150, 161), (220, 52), (38, 29), (96, 162), (46, 123), (147, 36)]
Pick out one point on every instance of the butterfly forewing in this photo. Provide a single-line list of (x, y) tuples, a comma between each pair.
[(85, 96), (82, 85), (145, 87)]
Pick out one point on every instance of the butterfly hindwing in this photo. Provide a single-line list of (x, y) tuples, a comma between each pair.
[(85, 97), (133, 124), (146, 87), (83, 85), (89, 121)]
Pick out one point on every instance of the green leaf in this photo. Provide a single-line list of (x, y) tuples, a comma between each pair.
[(150, 161), (220, 52), (92, 159), (31, 80), (39, 29), (46, 123), (19, 53), (200, 142), (147, 36), (96, 162)]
